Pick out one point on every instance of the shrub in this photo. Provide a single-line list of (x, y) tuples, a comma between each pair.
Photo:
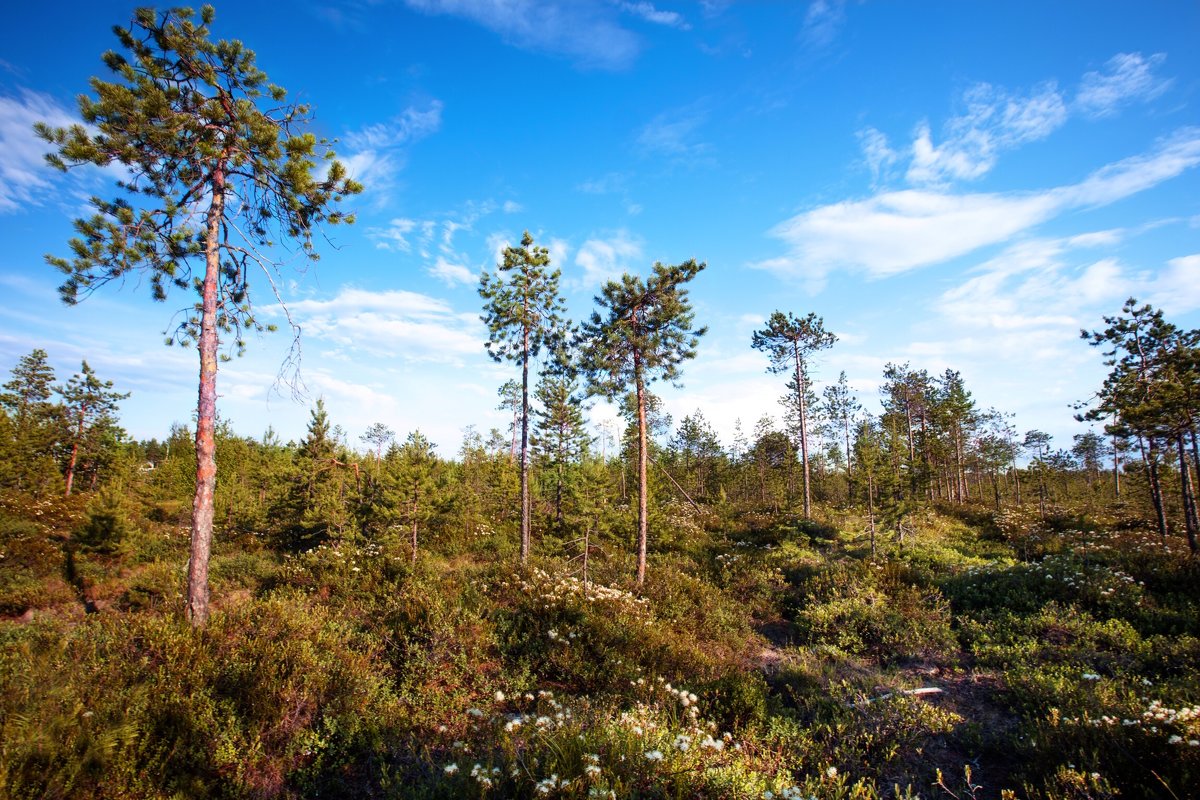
[(850, 607)]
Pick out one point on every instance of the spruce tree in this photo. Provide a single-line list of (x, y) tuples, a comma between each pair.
[(218, 171), (522, 309), (642, 332)]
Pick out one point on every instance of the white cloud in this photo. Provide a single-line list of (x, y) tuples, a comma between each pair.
[(898, 231), (452, 274), (585, 32), (894, 232), (822, 22), (366, 401), (25, 178), (995, 120), (606, 259), (672, 134), (649, 13), (1015, 322), (375, 154), (1177, 288), (406, 326), (559, 250), (394, 236), (612, 182), (512, 207), (496, 242), (878, 153), (408, 126), (1126, 78), (1173, 156)]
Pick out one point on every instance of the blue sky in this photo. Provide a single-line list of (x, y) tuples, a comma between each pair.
[(956, 185)]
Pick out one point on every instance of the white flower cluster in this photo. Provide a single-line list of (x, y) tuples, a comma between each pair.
[(1183, 717), (789, 793), (559, 590), (547, 785), (483, 776), (557, 715), (1156, 719)]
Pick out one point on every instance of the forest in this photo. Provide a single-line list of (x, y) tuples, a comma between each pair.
[(897, 595)]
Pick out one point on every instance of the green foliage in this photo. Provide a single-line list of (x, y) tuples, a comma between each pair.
[(276, 698), (643, 331), (184, 114), (31, 427), (106, 526), (766, 655), (871, 609)]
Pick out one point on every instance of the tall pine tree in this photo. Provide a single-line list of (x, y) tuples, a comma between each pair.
[(642, 332), (522, 309), (218, 171), (789, 343)]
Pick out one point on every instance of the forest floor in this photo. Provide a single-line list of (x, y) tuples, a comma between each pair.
[(766, 656)]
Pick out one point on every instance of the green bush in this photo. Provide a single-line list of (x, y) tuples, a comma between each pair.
[(272, 699), (106, 524), (850, 606)]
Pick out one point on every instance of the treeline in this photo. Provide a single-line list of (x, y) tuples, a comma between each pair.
[(928, 442)]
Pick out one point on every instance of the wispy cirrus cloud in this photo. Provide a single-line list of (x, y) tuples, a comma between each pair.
[(649, 13), (1126, 78), (822, 22), (675, 135), (995, 120), (376, 154), (877, 153), (25, 178), (434, 241), (894, 232), (410, 125), (408, 326), (587, 32)]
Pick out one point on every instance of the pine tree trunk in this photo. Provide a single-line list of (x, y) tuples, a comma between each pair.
[(849, 463), (871, 509), (525, 534), (643, 455), (1188, 496), (1117, 469), (801, 407), (1150, 461), (75, 452), (206, 414)]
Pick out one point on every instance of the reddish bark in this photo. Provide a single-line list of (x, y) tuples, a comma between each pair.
[(206, 416)]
